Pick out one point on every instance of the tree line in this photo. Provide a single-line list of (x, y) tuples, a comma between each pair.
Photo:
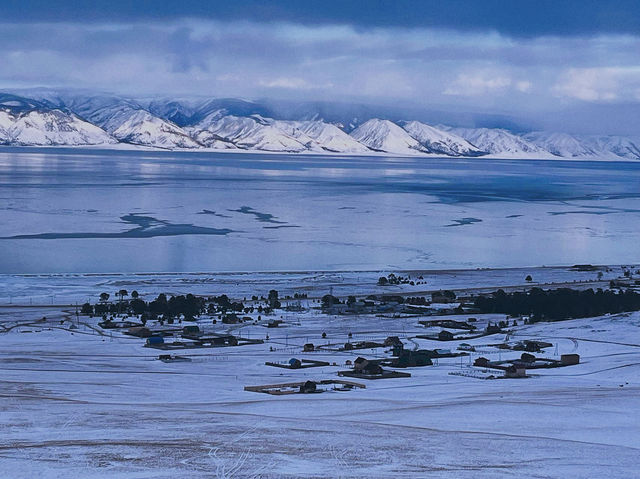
[(558, 304), (188, 306)]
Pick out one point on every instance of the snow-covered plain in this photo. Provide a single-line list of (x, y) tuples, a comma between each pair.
[(87, 403), (71, 288)]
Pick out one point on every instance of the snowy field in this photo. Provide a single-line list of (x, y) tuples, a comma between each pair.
[(94, 404), (69, 288)]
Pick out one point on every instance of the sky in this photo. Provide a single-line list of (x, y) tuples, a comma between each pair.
[(572, 65)]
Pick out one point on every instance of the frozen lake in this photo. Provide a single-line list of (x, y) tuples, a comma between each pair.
[(82, 210)]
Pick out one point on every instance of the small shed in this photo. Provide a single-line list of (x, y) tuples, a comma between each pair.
[(569, 359), (230, 319), (139, 331), (191, 330), (515, 371)]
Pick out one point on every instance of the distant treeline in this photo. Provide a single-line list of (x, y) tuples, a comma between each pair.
[(189, 306), (557, 304)]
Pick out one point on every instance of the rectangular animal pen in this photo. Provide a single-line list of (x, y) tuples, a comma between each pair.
[(297, 387)]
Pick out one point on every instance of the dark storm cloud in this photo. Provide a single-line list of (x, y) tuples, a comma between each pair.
[(519, 18), (517, 58)]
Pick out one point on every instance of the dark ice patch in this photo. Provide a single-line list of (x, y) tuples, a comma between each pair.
[(147, 227), (262, 217), (464, 221), (212, 213), (559, 213)]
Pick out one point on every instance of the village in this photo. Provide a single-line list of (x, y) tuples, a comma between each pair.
[(172, 371), (443, 328)]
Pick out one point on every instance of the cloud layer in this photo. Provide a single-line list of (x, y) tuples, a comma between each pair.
[(429, 67)]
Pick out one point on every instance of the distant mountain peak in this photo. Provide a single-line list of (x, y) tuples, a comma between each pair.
[(386, 136)]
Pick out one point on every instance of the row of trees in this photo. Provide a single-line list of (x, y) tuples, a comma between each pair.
[(393, 279), (558, 304), (121, 294), (188, 306)]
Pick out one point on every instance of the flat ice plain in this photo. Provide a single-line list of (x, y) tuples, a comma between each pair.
[(82, 210), (88, 403)]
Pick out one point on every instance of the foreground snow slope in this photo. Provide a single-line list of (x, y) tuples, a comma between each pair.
[(386, 136), (79, 401)]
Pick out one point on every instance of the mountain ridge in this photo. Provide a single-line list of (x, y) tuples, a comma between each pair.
[(47, 117)]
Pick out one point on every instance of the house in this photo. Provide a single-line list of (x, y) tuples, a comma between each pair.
[(191, 330), (481, 362), (393, 341), (357, 307), (397, 349), (308, 387), (445, 335), (109, 324), (361, 345), (412, 359), (447, 323), (492, 329), (442, 352), (230, 319), (527, 358), (153, 340), (531, 346), (443, 297), (367, 367), (225, 340), (139, 331)]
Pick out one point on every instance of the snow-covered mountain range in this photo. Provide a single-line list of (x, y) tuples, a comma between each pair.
[(47, 118)]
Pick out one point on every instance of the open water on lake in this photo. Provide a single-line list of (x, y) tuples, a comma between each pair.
[(86, 210)]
